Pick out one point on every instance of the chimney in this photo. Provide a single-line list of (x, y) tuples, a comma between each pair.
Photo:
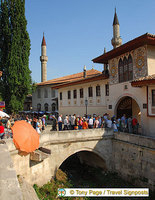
[(84, 71)]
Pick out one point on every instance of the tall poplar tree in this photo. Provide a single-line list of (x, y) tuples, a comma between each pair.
[(14, 54)]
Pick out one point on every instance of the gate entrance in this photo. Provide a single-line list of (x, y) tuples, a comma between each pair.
[(125, 107)]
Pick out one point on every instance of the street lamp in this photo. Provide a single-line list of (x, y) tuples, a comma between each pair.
[(86, 104)]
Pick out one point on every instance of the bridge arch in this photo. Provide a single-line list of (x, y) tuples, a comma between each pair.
[(86, 155)]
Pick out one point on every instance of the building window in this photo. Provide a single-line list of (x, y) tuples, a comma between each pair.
[(130, 68), (38, 107), (81, 93), (45, 93), (46, 106), (53, 107), (69, 94), (90, 92), (39, 93), (60, 95), (52, 93), (120, 70), (98, 93), (74, 94), (107, 90), (125, 69), (153, 97)]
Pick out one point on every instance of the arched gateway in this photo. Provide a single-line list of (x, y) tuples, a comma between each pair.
[(128, 106)]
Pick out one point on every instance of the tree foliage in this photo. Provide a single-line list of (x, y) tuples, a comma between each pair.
[(14, 54)]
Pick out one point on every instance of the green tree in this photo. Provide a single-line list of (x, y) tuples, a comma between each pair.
[(14, 54)]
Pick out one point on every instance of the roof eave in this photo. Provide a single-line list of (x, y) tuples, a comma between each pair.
[(86, 80), (133, 44), (142, 83)]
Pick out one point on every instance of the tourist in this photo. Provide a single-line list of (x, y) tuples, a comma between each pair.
[(113, 119), (73, 121), (85, 124), (54, 123), (130, 124), (118, 120), (1, 130), (96, 123), (76, 123), (40, 124), (100, 121), (60, 122), (123, 120), (37, 126), (34, 122), (8, 124), (66, 123), (109, 122), (43, 122), (114, 126), (90, 123), (103, 123), (135, 125), (80, 123)]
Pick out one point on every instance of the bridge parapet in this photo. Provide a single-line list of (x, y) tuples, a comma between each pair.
[(54, 137)]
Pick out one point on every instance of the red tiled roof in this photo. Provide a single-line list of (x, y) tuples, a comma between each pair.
[(71, 78), (144, 81), (133, 44)]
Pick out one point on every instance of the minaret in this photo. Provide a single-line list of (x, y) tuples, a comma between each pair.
[(116, 40), (43, 59)]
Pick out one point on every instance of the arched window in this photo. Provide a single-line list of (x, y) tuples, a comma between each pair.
[(38, 107), (125, 69), (130, 68), (120, 71), (46, 106), (53, 107)]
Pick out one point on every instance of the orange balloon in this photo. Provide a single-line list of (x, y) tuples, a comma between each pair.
[(25, 137)]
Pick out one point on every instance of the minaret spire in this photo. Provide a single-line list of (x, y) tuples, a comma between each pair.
[(43, 59), (116, 40)]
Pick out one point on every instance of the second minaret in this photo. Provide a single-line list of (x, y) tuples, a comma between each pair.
[(43, 59)]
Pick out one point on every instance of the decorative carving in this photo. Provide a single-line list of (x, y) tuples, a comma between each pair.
[(140, 62)]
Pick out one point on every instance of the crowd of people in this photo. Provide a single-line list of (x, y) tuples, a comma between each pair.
[(73, 122), (38, 123)]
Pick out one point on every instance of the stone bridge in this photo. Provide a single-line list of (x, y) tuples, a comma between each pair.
[(96, 142), (132, 156)]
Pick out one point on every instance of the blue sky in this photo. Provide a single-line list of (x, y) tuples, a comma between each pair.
[(76, 31)]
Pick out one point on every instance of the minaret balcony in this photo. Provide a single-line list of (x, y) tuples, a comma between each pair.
[(43, 58)]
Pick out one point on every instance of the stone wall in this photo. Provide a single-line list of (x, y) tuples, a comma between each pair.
[(134, 158), (9, 186)]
